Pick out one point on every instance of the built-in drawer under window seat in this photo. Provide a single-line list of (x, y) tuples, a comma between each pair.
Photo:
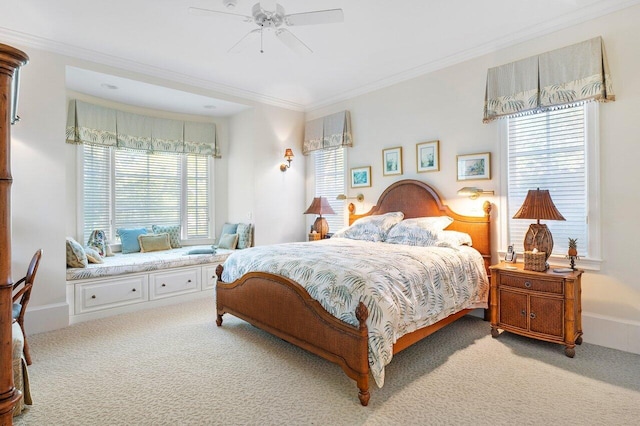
[(129, 282)]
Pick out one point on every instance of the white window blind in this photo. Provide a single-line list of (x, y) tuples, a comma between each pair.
[(96, 194), (147, 189), (128, 188), (547, 150), (330, 182), (198, 220)]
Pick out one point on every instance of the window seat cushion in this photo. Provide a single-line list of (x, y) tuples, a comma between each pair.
[(129, 263)]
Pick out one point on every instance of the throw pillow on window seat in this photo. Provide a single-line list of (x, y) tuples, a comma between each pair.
[(92, 255), (129, 239), (76, 256), (154, 242), (228, 241), (172, 230), (245, 237)]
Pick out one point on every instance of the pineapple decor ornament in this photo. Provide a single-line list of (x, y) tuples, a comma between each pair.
[(572, 253)]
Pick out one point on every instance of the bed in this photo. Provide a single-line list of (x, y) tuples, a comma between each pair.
[(279, 300)]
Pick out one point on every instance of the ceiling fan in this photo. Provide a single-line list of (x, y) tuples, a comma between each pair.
[(268, 15)]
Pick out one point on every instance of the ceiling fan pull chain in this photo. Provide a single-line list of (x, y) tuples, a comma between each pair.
[(261, 31)]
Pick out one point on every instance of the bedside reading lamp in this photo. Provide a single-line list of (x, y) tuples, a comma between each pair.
[(473, 192), (351, 206), (538, 205), (320, 206)]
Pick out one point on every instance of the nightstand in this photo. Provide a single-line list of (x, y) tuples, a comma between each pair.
[(542, 305)]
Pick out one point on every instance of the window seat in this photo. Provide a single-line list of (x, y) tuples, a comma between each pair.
[(129, 282), (121, 264)]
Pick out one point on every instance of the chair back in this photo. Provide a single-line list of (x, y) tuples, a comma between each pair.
[(23, 294)]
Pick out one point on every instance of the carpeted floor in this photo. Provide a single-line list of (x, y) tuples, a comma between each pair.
[(173, 366)]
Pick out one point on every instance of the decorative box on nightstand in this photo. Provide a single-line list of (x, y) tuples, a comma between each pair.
[(543, 305), (314, 236)]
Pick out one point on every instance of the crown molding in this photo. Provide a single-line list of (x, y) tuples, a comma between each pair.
[(585, 14), (52, 46)]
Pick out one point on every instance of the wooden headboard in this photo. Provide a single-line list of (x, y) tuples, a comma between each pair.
[(417, 199)]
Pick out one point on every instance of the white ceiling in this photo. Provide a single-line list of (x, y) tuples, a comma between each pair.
[(380, 42)]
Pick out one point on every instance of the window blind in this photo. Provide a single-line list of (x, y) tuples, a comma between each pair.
[(198, 221), (330, 182), (96, 195), (547, 150), (147, 189)]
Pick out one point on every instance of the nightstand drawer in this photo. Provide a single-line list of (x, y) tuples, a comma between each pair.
[(533, 284)]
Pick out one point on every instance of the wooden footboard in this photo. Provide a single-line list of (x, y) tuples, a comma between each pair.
[(283, 308)]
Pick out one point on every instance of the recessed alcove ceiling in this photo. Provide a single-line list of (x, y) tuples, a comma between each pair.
[(380, 42)]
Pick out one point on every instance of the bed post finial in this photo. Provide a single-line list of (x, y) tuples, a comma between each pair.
[(219, 269), (486, 206), (362, 313)]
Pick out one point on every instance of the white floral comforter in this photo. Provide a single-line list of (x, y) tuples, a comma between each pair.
[(404, 287)]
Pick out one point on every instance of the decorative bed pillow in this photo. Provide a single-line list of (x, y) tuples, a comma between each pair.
[(370, 228), (129, 239), (76, 257), (93, 256), (172, 230), (154, 242), (245, 236), (437, 223), (410, 233), (228, 241), (456, 238)]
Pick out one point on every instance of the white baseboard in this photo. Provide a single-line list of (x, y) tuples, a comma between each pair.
[(39, 319)]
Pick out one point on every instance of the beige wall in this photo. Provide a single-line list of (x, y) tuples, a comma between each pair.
[(447, 105)]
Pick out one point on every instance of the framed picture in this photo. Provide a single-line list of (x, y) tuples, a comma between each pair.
[(474, 166), (392, 161), (428, 156), (360, 176)]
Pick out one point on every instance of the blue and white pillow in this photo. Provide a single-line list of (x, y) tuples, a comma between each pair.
[(411, 234), (172, 230), (371, 228), (129, 239)]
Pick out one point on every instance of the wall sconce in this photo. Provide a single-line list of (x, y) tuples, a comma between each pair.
[(473, 192), (351, 207), (288, 155)]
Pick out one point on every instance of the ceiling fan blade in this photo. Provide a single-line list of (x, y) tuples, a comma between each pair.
[(329, 16), (245, 41), (292, 42), (268, 5), (208, 12)]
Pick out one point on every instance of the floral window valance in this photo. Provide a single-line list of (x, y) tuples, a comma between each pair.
[(566, 76), (329, 132), (97, 125)]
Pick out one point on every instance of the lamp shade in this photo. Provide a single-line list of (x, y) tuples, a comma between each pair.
[(538, 205), (288, 154), (320, 206)]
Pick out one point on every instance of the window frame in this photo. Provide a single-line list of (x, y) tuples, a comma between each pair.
[(183, 201), (592, 160)]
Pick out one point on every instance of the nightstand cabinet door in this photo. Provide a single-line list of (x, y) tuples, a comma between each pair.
[(546, 316), (513, 309)]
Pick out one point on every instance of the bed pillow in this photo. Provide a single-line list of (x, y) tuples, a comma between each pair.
[(437, 223), (172, 230), (371, 228), (76, 256), (411, 233), (228, 241), (129, 239), (456, 238), (154, 242), (93, 256)]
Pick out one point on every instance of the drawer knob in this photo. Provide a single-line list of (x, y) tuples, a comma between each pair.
[(532, 315), (133, 289), (93, 297), (527, 284), (188, 281), (523, 313), (164, 285)]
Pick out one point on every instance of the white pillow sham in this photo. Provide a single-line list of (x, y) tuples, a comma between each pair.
[(371, 228), (456, 238), (410, 233)]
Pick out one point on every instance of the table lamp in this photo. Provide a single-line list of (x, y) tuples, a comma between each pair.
[(320, 206), (538, 205)]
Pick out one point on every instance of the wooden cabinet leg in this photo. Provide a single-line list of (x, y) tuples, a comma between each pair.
[(570, 351), (494, 332), (579, 340), (219, 320)]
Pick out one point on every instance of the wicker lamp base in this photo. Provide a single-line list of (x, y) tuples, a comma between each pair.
[(321, 226), (539, 237)]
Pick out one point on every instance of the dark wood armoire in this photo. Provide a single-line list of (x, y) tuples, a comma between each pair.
[(11, 60)]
